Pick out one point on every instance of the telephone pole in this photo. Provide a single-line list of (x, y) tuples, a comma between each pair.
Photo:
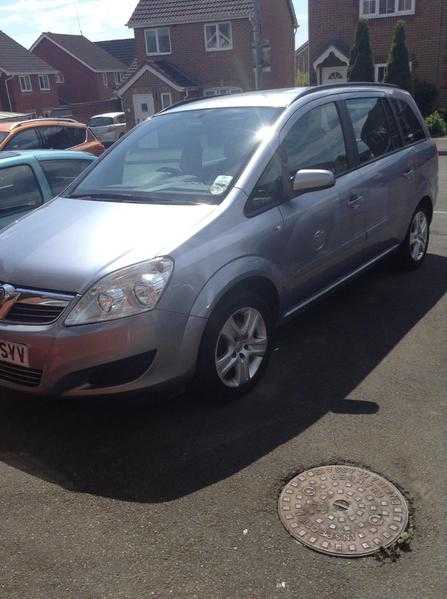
[(257, 42)]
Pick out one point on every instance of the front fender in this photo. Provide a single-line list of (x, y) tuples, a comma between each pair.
[(230, 275)]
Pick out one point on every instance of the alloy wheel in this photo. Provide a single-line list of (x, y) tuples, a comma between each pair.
[(241, 347), (419, 236)]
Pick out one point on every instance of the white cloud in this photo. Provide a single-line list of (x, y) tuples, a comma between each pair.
[(25, 20)]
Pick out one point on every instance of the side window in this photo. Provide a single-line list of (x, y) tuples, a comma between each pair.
[(411, 127), (60, 173), (371, 130), (25, 140), (396, 139), (317, 141), (55, 138), (75, 136), (269, 190), (19, 190)]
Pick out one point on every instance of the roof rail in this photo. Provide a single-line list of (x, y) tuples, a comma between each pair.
[(40, 119), (317, 88)]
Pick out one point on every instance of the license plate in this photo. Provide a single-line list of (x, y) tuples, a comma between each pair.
[(14, 353)]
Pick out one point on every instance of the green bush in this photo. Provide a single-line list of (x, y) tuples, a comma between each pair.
[(426, 95), (398, 71), (361, 62), (436, 124)]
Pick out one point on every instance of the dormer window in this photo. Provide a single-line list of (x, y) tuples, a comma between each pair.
[(218, 36), (158, 41), (374, 9)]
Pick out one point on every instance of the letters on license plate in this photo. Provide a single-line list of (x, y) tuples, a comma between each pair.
[(14, 353)]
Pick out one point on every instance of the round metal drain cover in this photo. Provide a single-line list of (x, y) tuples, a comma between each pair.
[(343, 510)]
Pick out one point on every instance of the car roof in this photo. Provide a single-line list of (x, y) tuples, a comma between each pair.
[(14, 157), (107, 114), (10, 125), (278, 98)]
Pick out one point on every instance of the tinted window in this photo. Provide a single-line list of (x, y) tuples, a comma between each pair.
[(181, 157), (19, 190), (59, 137), (396, 139), (269, 190), (411, 127), (371, 130), (25, 140), (60, 173), (100, 121), (316, 141)]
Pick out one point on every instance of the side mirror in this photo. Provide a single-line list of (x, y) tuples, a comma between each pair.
[(312, 180)]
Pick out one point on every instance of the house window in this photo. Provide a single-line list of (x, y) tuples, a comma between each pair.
[(221, 91), (380, 72), (60, 78), (158, 41), (218, 36), (105, 80), (373, 9), (166, 100), (44, 82), (117, 77), (25, 83)]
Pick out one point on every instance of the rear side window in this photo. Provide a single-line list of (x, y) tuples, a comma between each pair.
[(100, 121), (409, 123), (372, 133), (60, 173), (25, 140), (19, 190), (316, 141), (59, 137)]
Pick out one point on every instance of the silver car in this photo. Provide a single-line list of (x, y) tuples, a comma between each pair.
[(176, 255), (108, 127)]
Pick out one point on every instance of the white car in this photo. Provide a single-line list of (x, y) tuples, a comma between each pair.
[(108, 127)]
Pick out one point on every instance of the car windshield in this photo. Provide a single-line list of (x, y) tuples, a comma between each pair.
[(191, 156), (100, 121)]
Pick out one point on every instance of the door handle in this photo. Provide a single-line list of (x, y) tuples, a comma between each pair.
[(355, 201)]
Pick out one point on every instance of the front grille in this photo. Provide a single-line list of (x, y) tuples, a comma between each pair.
[(32, 307), (34, 313), (27, 377)]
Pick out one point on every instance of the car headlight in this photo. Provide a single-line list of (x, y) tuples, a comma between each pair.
[(126, 292)]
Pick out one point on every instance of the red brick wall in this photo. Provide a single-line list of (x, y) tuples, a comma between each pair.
[(35, 101), (336, 20), (148, 83), (278, 28), (81, 84), (230, 67)]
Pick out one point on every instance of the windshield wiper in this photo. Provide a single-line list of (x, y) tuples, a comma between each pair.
[(131, 198)]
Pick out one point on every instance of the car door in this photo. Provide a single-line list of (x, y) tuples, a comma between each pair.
[(381, 172), (20, 192), (324, 234)]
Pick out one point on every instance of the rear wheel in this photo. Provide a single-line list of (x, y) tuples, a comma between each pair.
[(236, 346), (414, 249)]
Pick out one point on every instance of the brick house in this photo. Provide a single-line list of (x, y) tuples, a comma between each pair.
[(195, 48), (124, 50), (332, 25), (27, 83), (89, 76)]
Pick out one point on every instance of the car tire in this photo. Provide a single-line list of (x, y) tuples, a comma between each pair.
[(413, 251), (236, 347)]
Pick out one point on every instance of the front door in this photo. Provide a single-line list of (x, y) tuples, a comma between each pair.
[(143, 106), (325, 237), (334, 75)]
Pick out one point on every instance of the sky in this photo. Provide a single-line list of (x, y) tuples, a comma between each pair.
[(25, 20)]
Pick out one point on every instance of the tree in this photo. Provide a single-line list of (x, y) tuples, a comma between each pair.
[(361, 62), (398, 70)]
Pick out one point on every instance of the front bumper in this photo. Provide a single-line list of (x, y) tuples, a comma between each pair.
[(171, 340)]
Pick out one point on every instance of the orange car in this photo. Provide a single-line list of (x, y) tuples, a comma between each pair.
[(49, 134)]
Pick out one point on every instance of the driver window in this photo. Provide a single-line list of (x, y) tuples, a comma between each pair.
[(317, 141)]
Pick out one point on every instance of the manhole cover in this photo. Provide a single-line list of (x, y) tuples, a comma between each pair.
[(343, 510)]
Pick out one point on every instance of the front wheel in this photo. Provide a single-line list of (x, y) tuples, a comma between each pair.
[(236, 347), (414, 249)]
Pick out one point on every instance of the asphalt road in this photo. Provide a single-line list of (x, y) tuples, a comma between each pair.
[(111, 499)]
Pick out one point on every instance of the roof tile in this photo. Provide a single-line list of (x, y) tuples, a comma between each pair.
[(15, 59)]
